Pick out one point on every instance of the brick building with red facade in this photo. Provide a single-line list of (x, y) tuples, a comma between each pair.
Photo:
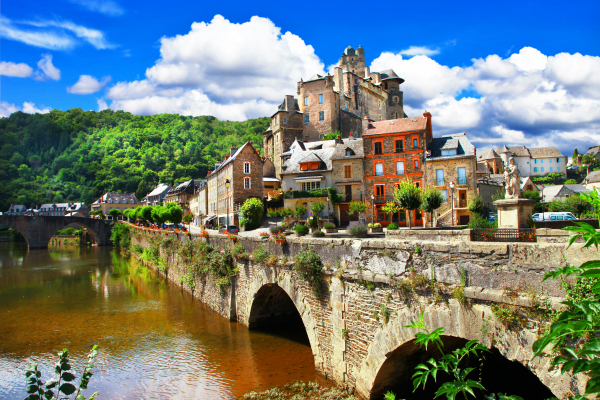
[(393, 151)]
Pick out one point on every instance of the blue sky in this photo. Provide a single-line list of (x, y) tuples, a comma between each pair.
[(523, 73)]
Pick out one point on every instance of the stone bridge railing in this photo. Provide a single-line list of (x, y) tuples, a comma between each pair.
[(466, 288)]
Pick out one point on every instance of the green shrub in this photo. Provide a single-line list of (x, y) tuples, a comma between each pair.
[(276, 229), (309, 266), (376, 225), (359, 229), (318, 233), (479, 222), (393, 226), (137, 249), (302, 229), (120, 236), (385, 313), (260, 254), (251, 213), (329, 226)]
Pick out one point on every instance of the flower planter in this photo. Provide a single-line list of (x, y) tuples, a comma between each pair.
[(362, 235), (331, 230), (375, 230), (280, 241)]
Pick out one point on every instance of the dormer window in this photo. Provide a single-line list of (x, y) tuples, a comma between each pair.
[(110, 201), (449, 152), (350, 152), (309, 166)]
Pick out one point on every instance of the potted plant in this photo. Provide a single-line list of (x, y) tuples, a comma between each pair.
[(376, 227), (318, 233), (359, 231), (279, 238), (263, 235), (204, 234), (232, 236), (301, 230), (330, 228)]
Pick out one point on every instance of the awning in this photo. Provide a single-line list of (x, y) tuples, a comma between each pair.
[(209, 218), (309, 178), (349, 183)]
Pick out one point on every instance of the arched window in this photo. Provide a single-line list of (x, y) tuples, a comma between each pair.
[(350, 152)]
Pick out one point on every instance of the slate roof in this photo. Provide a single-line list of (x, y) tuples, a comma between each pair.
[(312, 157), (356, 145), (292, 164), (159, 189), (17, 208), (592, 151), (578, 188), (518, 151), (188, 187), (556, 191), (593, 177), (458, 141), (545, 152), (121, 198), (390, 74), (488, 154), (482, 169), (230, 159), (396, 126)]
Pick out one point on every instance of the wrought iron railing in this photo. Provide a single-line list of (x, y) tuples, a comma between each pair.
[(503, 235)]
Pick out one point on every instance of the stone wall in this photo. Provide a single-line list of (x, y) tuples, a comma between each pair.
[(349, 336)]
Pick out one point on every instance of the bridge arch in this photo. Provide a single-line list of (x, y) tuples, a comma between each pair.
[(271, 296), (388, 362)]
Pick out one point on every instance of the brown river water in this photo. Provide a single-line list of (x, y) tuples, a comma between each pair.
[(154, 340)]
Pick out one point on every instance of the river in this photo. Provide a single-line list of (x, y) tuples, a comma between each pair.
[(154, 340)]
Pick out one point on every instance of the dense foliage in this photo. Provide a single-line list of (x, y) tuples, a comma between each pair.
[(78, 155), (251, 213), (308, 264)]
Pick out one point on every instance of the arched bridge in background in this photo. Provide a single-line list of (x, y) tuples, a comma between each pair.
[(38, 230)]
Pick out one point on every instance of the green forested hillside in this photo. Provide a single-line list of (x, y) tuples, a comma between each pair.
[(78, 155)]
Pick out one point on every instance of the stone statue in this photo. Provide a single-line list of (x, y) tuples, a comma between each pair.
[(512, 176)]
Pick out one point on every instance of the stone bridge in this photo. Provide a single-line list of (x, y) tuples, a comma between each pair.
[(38, 230), (372, 289)]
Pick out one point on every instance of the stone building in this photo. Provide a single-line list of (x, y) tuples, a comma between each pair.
[(182, 193), (157, 195), (488, 189), (394, 150), (491, 161), (68, 208), (199, 203), (110, 200), (243, 168), (334, 103), (16, 209), (271, 183), (452, 161), (348, 175)]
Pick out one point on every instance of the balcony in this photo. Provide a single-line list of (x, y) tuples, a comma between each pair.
[(380, 200), (302, 194)]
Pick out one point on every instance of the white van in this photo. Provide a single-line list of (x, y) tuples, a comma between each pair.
[(553, 216)]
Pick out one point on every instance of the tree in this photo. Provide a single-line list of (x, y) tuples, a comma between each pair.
[(432, 200), (391, 208), (317, 208), (174, 213), (408, 196), (159, 214), (273, 213), (476, 205), (359, 207), (331, 135), (299, 211), (575, 156), (24, 172), (146, 213), (537, 196), (286, 212), (188, 218), (114, 213), (251, 213)]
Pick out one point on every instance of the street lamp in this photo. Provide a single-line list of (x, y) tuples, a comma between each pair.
[(452, 197), (328, 213), (227, 201), (373, 216)]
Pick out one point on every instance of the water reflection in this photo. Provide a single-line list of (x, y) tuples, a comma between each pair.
[(155, 341)]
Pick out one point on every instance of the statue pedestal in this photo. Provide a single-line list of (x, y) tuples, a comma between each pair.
[(513, 213)]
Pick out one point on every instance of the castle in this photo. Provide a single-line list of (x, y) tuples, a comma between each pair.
[(343, 102)]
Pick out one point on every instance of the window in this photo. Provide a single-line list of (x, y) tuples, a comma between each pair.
[(311, 185), (445, 195), (541, 161), (449, 152), (306, 101), (346, 106), (379, 190), (321, 115), (550, 161), (306, 118), (399, 167), (462, 176), (558, 160), (550, 169), (379, 169), (535, 169), (246, 167), (347, 171), (247, 183), (415, 142), (439, 177), (285, 121), (395, 99), (398, 146), (542, 169), (320, 99), (416, 163), (378, 148), (309, 166), (558, 168), (350, 152), (535, 161), (417, 184)]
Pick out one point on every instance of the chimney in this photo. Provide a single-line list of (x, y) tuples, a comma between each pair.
[(233, 150), (217, 165), (428, 128), (338, 140), (366, 124), (367, 72)]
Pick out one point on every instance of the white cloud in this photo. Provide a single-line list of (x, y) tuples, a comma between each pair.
[(232, 71), (529, 59), (106, 7), (52, 34), (88, 84), (47, 69), (102, 105), (7, 108), (20, 70), (420, 51)]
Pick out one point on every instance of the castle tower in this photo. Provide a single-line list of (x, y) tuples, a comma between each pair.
[(353, 61)]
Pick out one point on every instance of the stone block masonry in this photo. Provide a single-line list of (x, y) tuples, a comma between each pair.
[(364, 280)]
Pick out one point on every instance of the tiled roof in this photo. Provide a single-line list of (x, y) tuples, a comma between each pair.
[(487, 155), (356, 145), (553, 191), (593, 177), (458, 141), (545, 152), (396, 126), (519, 151), (592, 151)]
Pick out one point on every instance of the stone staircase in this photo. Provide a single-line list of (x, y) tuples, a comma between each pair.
[(445, 219)]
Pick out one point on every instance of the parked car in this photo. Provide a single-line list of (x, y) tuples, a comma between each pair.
[(553, 216), (229, 229), (493, 217)]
